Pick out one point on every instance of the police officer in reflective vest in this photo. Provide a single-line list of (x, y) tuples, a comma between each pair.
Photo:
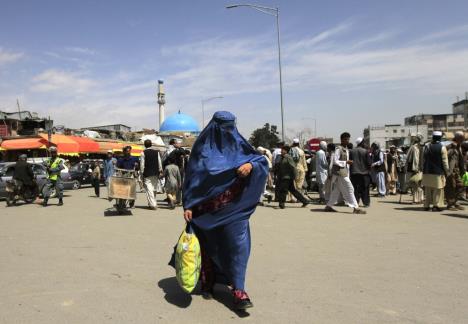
[(54, 166)]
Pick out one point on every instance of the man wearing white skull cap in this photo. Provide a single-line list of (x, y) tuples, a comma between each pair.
[(298, 156), (321, 169), (435, 167)]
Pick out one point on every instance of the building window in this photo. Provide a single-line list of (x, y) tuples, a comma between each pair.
[(394, 131)]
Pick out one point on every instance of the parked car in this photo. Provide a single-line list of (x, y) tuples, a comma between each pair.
[(80, 173), (7, 170)]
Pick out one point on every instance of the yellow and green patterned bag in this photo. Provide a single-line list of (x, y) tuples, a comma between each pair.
[(188, 260)]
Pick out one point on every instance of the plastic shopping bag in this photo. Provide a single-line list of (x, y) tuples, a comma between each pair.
[(188, 260)]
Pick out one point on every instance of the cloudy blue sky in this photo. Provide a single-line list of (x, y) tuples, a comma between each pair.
[(346, 63)]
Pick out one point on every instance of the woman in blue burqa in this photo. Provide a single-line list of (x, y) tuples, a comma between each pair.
[(225, 177)]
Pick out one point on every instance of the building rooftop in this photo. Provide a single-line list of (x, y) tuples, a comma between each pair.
[(461, 102), (104, 126)]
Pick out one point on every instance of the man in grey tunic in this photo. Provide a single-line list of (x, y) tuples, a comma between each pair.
[(172, 183), (321, 169)]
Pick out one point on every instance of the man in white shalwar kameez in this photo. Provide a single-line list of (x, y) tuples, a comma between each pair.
[(341, 184)]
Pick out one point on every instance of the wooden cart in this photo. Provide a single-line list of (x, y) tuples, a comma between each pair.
[(122, 185)]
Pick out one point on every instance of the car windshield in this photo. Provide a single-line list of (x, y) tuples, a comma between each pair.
[(76, 167)]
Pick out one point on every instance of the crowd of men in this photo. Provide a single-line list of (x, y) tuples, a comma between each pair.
[(156, 172), (433, 173)]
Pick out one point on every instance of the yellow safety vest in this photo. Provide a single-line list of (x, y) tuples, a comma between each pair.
[(54, 165)]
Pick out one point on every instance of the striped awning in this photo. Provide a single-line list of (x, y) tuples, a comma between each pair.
[(65, 145), (105, 146), (86, 145), (137, 149)]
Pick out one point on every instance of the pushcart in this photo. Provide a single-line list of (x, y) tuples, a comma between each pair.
[(122, 188)]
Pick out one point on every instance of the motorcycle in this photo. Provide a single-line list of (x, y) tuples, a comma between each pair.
[(16, 190)]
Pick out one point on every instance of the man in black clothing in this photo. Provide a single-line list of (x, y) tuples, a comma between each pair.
[(359, 170), (285, 179), (23, 171), (151, 170)]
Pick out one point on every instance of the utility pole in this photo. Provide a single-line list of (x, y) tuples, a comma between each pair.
[(19, 109)]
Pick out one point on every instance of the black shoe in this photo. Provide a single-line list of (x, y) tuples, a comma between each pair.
[(305, 204), (241, 300), (269, 199), (436, 209), (281, 206), (207, 294), (359, 211), (44, 203), (60, 203)]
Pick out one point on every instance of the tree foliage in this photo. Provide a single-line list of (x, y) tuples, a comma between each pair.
[(266, 136)]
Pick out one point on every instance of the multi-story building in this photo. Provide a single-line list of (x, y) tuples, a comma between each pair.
[(461, 107), (393, 134), (447, 123)]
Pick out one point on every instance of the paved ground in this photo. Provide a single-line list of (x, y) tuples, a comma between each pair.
[(78, 264)]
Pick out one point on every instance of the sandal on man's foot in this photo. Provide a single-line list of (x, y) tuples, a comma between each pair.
[(241, 300), (329, 209), (359, 211)]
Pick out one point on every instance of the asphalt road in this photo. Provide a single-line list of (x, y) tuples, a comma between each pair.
[(82, 264)]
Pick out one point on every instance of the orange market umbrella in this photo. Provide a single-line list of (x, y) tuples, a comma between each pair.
[(24, 144), (65, 144)]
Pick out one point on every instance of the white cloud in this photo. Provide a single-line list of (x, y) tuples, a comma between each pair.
[(249, 65), (9, 56), (245, 72), (57, 80), (80, 50)]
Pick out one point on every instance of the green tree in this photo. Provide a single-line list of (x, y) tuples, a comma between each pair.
[(266, 136)]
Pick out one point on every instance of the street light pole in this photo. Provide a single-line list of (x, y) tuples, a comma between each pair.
[(272, 12), (280, 74), (203, 107)]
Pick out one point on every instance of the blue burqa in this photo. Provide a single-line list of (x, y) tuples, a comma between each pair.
[(212, 170)]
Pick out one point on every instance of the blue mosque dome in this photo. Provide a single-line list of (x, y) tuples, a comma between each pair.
[(179, 123)]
